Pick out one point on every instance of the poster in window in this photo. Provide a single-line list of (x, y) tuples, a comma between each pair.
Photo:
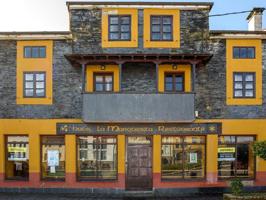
[(17, 153), (193, 158), (53, 158), (226, 154)]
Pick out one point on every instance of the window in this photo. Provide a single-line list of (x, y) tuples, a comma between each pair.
[(161, 28), (244, 85), (174, 82), (34, 52), (97, 157), (34, 84), (244, 52), (235, 157), (183, 157), (53, 157), (17, 158), (103, 82), (119, 27)]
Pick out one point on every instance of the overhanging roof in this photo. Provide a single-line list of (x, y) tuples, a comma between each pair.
[(78, 59), (237, 34), (39, 35)]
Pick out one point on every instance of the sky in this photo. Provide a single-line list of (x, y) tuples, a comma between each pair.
[(52, 15)]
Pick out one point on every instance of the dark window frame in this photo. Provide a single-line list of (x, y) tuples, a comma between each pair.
[(119, 28), (234, 144), (84, 179), (183, 144), (244, 82), (39, 52), (104, 82), (161, 28), (174, 74), (34, 84), (238, 56)]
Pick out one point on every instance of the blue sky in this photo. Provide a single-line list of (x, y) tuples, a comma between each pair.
[(52, 15)]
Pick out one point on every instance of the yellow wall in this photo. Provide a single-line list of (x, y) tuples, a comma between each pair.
[(134, 27), (176, 28), (186, 69), (97, 68), (243, 65), (156, 154), (35, 64), (121, 153)]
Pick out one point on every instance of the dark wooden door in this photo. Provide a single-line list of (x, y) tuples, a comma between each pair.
[(139, 167)]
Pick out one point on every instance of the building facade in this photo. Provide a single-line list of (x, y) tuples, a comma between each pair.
[(136, 96)]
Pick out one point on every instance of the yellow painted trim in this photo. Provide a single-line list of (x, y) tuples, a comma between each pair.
[(134, 27), (176, 29), (186, 69), (2, 154), (212, 153), (243, 65), (35, 64), (34, 153), (97, 68), (157, 154), (70, 141), (121, 153)]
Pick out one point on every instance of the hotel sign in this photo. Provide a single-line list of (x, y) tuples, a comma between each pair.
[(189, 128)]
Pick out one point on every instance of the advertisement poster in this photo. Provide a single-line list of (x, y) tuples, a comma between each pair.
[(17, 153), (193, 157), (53, 158), (226, 154)]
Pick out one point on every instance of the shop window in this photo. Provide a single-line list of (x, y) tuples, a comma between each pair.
[(244, 52), (244, 85), (235, 157), (97, 157), (161, 28), (34, 52), (119, 27), (53, 157), (17, 158), (183, 157), (34, 84), (103, 82), (174, 82)]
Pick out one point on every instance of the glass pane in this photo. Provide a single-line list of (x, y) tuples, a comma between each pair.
[(171, 140), (238, 93), (167, 36), (245, 139), (29, 77), (169, 87), (40, 92), (99, 87), (99, 79), (167, 20), (236, 52), (29, 85), (249, 86), (42, 52), (155, 28), (172, 165), (179, 87), (194, 166), (249, 93), (156, 36), (40, 77), (167, 28), (125, 28), (29, 92), (245, 161), (226, 160), (238, 77), (249, 77), (108, 87), (27, 52), (243, 53), (114, 36), (194, 139), (113, 28), (35, 52), (238, 85), (139, 140), (108, 79), (155, 20), (53, 157), (113, 20), (179, 79), (227, 139), (125, 20), (17, 157), (251, 52), (125, 36), (169, 78)]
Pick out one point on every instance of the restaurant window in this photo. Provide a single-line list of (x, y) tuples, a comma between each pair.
[(97, 157), (244, 85), (235, 157), (162, 28), (119, 27), (34, 84), (34, 52), (174, 82), (17, 158), (183, 157), (103, 82), (53, 157), (244, 52)]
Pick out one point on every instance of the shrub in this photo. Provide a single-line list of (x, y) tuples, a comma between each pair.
[(236, 186), (259, 149)]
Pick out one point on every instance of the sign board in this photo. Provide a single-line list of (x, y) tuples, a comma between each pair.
[(175, 129), (53, 158), (17, 149), (193, 158), (226, 154)]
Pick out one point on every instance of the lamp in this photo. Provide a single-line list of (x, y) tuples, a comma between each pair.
[(102, 67), (174, 66)]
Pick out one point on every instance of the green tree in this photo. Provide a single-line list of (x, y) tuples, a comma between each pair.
[(259, 149)]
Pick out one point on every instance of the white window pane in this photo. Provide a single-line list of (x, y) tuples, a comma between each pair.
[(29, 77), (125, 20), (238, 86), (108, 79), (155, 20), (113, 20), (238, 93), (40, 77), (29, 93), (109, 87), (249, 86), (114, 28), (155, 28), (114, 36), (99, 79), (166, 20), (125, 36), (40, 92), (238, 77), (40, 85), (249, 93), (29, 85), (249, 77), (167, 28), (125, 28)]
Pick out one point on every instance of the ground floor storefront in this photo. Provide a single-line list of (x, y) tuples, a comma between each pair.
[(67, 153)]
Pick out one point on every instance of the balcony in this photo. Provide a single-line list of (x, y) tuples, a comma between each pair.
[(134, 107)]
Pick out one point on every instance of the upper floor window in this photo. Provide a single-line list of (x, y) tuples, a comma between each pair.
[(244, 52), (34, 84), (244, 85), (119, 27), (34, 52), (174, 82), (103, 82), (161, 28)]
